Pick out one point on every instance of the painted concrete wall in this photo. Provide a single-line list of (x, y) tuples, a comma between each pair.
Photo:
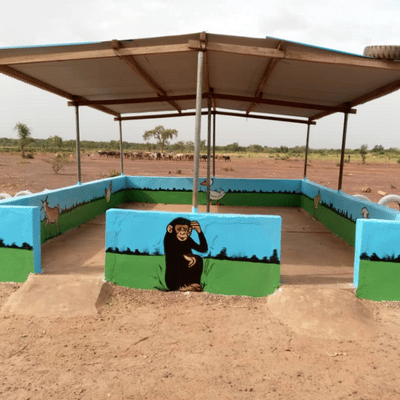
[(20, 248), (80, 203), (242, 257), (339, 211), (240, 192), (76, 204), (377, 260)]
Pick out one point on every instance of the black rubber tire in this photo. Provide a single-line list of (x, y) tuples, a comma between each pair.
[(383, 52)]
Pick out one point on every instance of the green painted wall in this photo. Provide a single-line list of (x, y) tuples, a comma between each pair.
[(234, 199), (240, 278), (16, 264), (149, 271), (81, 214), (219, 276), (339, 225), (262, 199), (163, 196), (379, 280)]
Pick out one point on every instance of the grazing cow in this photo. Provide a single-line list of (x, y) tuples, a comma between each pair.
[(178, 157), (226, 158)]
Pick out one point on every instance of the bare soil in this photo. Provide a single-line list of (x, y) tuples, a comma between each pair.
[(303, 342)]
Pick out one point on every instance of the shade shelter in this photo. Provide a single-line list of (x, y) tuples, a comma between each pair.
[(182, 75)]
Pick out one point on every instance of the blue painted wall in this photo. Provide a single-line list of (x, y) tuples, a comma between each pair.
[(242, 235), (345, 204), (225, 184), (73, 197), (242, 257), (377, 259), (70, 196), (20, 226)]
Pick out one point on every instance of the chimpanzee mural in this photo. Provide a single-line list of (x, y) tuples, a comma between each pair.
[(183, 269)]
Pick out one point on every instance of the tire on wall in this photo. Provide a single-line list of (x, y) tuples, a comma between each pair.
[(390, 198), (383, 52), (4, 196), (23, 193), (361, 196)]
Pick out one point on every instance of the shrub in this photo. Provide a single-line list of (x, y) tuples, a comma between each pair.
[(58, 162)]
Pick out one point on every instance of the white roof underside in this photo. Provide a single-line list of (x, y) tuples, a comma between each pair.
[(245, 75)]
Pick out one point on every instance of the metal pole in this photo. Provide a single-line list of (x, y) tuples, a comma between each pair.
[(346, 115), (78, 145), (306, 155), (208, 155), (214, 121), (195, 197), (121, 147)]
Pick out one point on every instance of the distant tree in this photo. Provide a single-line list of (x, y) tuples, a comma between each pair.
[(161, 135), (24, 134), (179, 146), (189, 146), (114, 144), (203, 146), (234, 147), (255, 148), (363, 152), (283, 149), (55, 142), (378, 149)]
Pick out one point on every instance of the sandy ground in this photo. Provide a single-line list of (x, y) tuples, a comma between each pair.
[(310, 341)]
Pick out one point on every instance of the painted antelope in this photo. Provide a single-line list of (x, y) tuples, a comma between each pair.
[(52, 213), (108, 192)]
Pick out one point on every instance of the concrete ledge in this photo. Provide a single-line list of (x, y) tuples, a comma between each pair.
[(57, 296)]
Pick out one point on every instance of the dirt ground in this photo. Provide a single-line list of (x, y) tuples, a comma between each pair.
[(302, 342)]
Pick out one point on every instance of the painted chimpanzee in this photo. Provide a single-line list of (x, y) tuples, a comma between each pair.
[(183, 269)]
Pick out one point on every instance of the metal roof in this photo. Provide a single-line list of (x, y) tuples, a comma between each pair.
[(245, 76)]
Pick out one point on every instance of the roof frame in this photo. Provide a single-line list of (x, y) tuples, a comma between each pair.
[(129, 52)]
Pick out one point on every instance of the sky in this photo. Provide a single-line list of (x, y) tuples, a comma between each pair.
[(344, 25)]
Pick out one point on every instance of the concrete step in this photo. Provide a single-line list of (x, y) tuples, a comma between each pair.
[(58, 296)]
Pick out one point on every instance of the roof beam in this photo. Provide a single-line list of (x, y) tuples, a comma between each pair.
[(329, 57), (231, 114), (135, 66), (264, 78), (153, 116), (13, 73), (93, 54), (158, 99), (282, 103), (245, 99), (375, 94), (299, 121)]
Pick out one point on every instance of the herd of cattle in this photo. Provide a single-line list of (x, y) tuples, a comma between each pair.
[(145, 155)]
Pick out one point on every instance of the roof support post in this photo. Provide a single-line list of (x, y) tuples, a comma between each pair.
[(346, 117), (208, 155), (78, 144), (214, 121), (195, 196), (121, 147), (306, 155)]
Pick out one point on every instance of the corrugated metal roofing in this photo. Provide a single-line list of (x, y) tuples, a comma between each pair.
[(245, 75)]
